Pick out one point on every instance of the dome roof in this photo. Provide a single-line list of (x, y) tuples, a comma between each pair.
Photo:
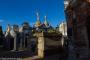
[(38, 23)]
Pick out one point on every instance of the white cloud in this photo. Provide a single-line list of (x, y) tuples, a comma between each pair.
[(1, 20), (66, 2)]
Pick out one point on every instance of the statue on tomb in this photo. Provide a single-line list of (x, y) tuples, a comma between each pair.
[(8, 38), (16, 35)]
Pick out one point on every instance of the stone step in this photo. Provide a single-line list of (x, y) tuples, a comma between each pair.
[(15, 54)]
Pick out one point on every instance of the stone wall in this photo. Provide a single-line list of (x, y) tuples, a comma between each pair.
[(48, 42)]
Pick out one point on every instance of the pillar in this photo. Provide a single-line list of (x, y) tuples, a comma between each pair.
[(40, 45), (15, 43)]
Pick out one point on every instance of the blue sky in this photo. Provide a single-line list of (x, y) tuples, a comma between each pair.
[(18, 11)]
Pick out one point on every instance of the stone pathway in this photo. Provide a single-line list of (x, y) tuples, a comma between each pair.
[(31, 58)]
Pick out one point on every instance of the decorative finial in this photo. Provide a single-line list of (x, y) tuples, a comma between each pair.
[(45, 18), (37, 15), (45, 21)]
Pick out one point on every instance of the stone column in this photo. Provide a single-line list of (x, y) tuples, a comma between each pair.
[(40, 45), (21, 40), (15, 43), (21, 44), (24, 40)]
